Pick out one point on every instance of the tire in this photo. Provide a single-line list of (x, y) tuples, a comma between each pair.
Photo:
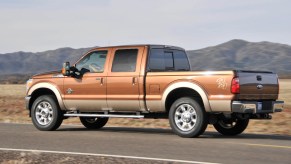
[(187, 118), (231, 128), (46, 114), (93, 122)]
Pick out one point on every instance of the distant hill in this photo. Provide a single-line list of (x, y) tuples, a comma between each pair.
[(240, 54), (31, 63), (234, 54)]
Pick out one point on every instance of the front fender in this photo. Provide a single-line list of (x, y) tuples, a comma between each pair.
[(51, 87)]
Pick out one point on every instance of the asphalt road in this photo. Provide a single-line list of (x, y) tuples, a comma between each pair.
[(147, 144)]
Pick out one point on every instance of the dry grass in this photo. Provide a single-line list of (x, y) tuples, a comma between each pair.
[(285, 92), (12, 106), (281, 122), (12, 109)]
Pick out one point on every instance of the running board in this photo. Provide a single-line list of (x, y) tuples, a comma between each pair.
[(102, 115)]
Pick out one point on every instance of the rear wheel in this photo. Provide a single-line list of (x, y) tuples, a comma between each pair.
[(231, 127), (46, 114), (187, 118), (93, 122)]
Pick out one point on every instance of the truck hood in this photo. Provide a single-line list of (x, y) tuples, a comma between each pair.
[(46, 75)]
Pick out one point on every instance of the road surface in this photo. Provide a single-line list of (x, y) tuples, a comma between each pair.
[(151, 145)]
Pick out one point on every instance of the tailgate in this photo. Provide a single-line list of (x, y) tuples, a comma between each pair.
[(255, 85)]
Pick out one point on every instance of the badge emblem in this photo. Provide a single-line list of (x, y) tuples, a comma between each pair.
[(260, 86), (69, 91), (221, 83)]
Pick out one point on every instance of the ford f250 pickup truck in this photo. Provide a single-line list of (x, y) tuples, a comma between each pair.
[(151, 81)]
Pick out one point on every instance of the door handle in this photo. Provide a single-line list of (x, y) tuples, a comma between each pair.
[(134, 80), (101, 80)]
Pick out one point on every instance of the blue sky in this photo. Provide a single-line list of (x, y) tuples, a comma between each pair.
[(39, 25)]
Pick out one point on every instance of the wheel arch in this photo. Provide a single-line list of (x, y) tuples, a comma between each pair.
[(40, 89), (185, 89)]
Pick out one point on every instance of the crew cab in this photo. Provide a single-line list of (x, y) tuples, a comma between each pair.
[(151, 81)]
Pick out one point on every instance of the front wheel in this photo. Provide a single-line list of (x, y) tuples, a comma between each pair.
[(46, 114), (187, 118), (93, 122), (231, 127)]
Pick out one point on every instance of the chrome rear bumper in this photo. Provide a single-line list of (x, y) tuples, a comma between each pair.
[(257, 106)]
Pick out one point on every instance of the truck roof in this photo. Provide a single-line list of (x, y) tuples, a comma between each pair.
[(149, 45)]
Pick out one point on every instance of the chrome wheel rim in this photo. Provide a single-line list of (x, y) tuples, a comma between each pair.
[(185, 117), (44, 113)]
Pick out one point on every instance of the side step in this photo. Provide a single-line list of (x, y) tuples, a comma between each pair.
[(102, 115)]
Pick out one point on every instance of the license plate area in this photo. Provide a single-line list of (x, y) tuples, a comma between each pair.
[(264, 106), (259, 106)]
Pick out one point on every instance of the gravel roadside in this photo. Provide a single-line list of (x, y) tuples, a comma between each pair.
[(13, 157)]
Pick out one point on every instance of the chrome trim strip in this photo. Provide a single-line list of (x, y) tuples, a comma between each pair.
[(102, 115)]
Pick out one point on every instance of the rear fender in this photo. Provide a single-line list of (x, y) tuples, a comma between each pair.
[(189, 85)]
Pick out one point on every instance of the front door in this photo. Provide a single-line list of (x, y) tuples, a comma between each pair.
[(88, 92), (123, 79)]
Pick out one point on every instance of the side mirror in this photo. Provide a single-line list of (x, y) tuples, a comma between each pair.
[(66, 69)]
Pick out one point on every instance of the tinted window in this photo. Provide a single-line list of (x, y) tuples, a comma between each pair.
[(94, 61), (168, 60), (156, 61), (124, 60), (181, 61)]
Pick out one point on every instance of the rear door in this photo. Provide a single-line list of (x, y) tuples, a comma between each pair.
[(123, 80)]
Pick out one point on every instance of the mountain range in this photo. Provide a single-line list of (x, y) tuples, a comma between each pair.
[(234, 54), (240, 54)]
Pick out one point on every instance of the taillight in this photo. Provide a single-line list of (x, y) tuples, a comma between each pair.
[(235, 85)]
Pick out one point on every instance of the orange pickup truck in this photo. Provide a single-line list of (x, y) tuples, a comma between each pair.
[(151, 81)]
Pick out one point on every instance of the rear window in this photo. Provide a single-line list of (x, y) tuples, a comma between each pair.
[(168, 60)]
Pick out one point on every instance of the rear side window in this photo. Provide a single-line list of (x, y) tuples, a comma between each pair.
[(167, 60), (156, 60), (124, 60), (181, 61)]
